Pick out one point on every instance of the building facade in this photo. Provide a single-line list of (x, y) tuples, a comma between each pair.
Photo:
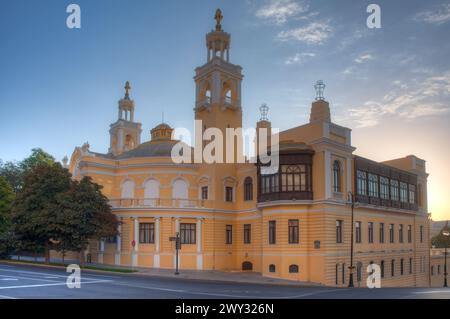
[(293, 224)]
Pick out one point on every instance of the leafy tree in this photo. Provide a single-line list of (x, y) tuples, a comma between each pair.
[(6, 234), (83, 214), (33, 216), (441, 241), (14, 172), (38, 156)]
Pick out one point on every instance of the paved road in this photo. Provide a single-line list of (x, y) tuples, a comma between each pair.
[(23, 281)]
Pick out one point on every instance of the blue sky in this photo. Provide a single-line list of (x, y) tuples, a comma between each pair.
[(59, 87)]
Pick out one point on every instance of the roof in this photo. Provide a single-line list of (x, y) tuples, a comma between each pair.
[(151, 149)]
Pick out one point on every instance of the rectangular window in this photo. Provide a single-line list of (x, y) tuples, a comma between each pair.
[(384, 187), (400, 233), (401, 266), (146, 233), (204, 192), (394, 190), (392, 267), (337, 274), (391, 233), (229, 194), (293, 231), (409, 234), (373, 185), (361, 182), (382, 268), (421, 234), (188, 233), (412, 194), (343, 273), (410, 265), (381, 232), (247, 233), (229, 234), (272, 232), (339, 231), (358, 232), (370, 232), (403, 192)]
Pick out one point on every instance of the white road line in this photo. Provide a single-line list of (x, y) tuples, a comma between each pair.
[(8, 279), (89, 276), (29, 278), (431, 292), (54, 284), (6, 297)]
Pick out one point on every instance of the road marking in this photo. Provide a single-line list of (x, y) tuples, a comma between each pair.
[(432, 292), (53, 284), (89, 276), (6, 297), (28, 278), (8, 279)]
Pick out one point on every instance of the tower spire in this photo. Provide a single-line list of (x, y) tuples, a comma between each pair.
[(127, 89), (218, 17)]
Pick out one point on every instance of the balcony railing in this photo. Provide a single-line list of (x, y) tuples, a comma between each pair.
[(204, 102), (158, 203)]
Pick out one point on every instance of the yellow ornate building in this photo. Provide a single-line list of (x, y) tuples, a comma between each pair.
[(294, 224)]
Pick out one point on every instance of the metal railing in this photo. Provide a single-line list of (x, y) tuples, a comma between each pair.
[(158, 203)]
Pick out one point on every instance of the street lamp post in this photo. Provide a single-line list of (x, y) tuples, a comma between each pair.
[(446, 233), (352, 205)]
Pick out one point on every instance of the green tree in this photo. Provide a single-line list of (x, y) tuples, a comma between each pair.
[(12, 173), (6, 233), (33, 215), (441, 241), (83, 214), (15, 172)]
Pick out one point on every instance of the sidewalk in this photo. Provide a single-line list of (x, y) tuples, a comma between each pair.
[(224, 276), (204, 275)]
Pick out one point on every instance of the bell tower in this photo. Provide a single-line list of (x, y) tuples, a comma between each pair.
[(125, 134), (218, 83)]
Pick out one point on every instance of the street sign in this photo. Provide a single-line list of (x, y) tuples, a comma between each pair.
[(133, 243)]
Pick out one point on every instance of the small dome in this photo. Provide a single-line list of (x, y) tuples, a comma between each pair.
[(161, 132)]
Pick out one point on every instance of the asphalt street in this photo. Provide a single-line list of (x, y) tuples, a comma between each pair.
[(23, 281)]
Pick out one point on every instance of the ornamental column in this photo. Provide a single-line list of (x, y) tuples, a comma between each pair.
[(134, 256), (156, 256), (177, 230), (101, 251), (199, 244), (118, 243)]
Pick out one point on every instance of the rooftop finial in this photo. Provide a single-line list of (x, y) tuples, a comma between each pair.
[(264, 110), (320, 87), (127, 90), (218, 18)]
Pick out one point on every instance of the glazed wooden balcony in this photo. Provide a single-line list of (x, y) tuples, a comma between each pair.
[(159, 203)]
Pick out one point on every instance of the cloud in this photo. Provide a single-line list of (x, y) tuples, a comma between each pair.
[(364, 58), (299, 58), (438, 16), (313, 33), (278, 11), (428, 97)]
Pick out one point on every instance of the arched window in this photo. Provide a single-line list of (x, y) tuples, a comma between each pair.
[(336, 177), (151, 192), (271, 268), (128, 189), (129, 142), (293, 268), (248, 188), (246, 265), (180, 192)]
